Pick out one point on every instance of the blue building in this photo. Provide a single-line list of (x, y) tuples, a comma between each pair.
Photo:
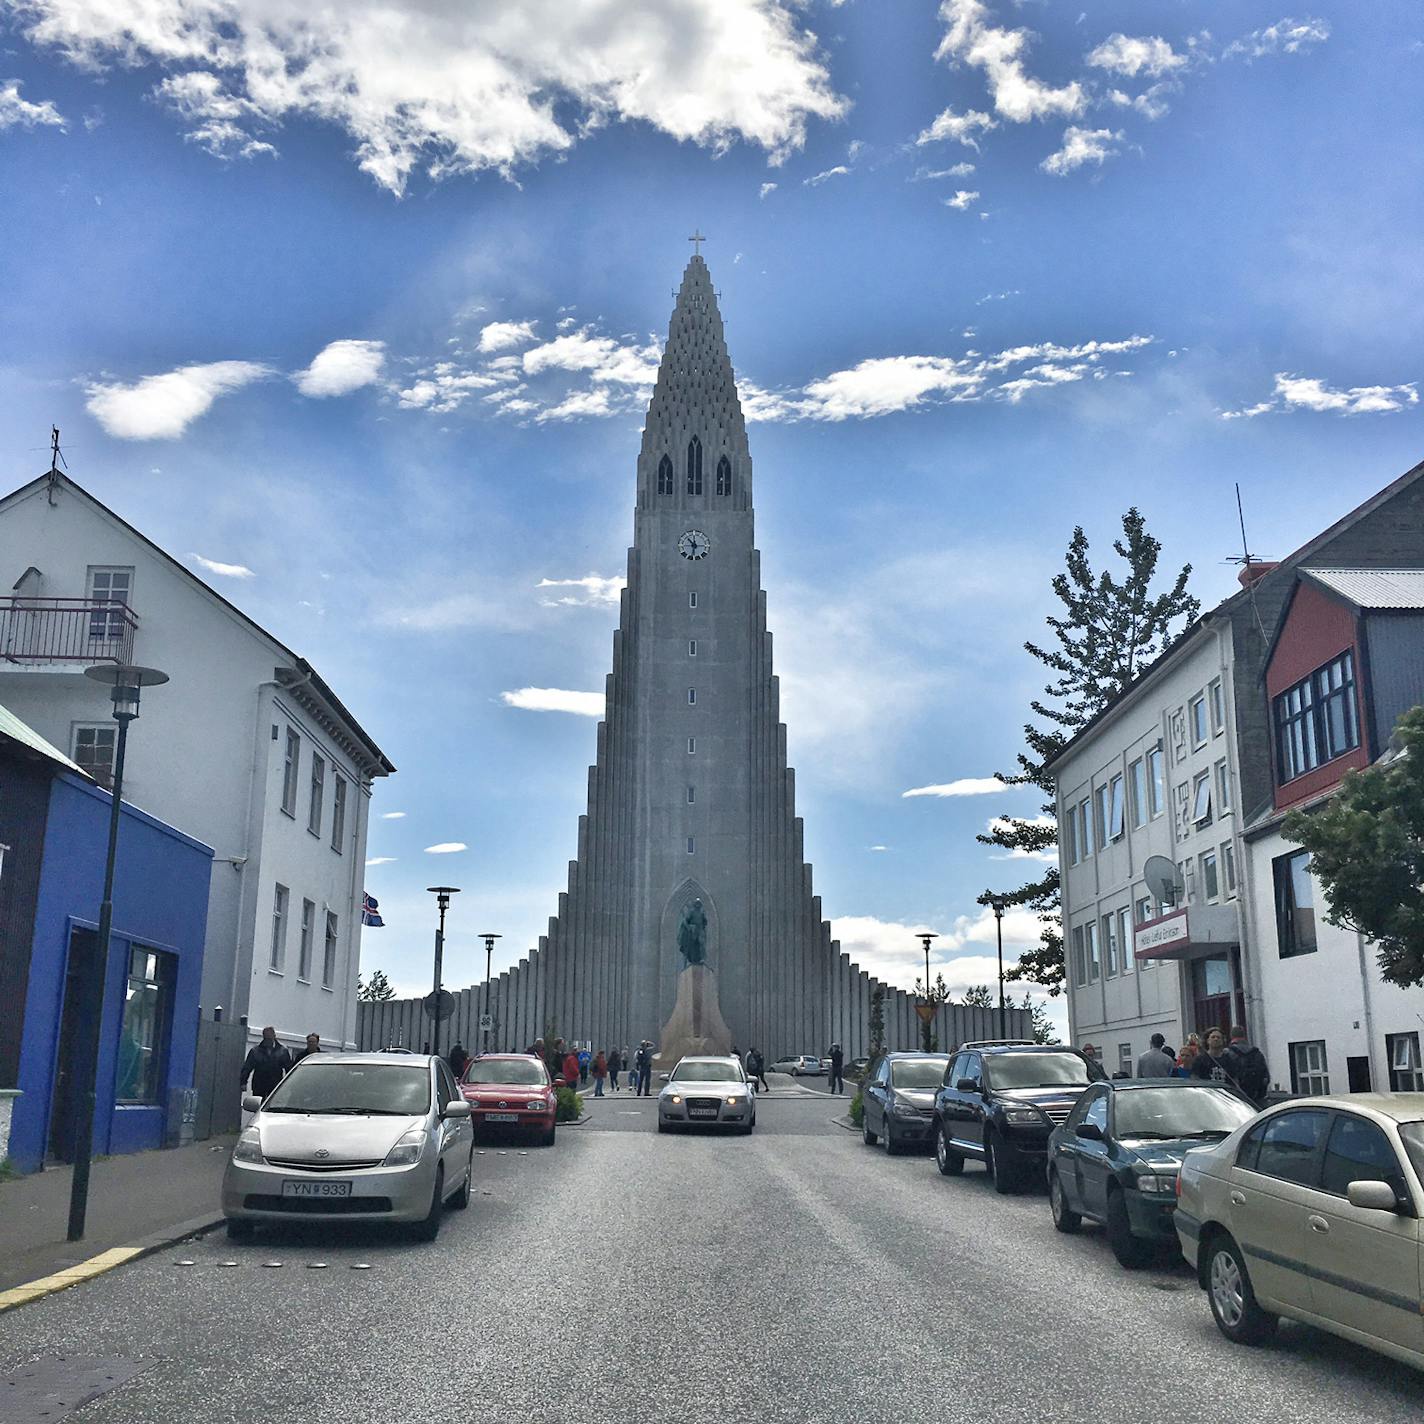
[(54, 823)]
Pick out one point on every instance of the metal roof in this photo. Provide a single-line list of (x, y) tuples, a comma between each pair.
[(1374, 588), (26, 736)]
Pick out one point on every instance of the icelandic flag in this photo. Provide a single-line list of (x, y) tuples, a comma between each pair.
[(371, 912)]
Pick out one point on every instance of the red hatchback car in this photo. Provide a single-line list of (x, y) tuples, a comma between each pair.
[(510, 1091)]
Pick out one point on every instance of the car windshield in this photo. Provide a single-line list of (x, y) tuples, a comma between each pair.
[(918, 1073), (358, 1089), (1412, 1135), (1178, 1112), (701, 1070), (1035, 1070), (523, 1072)]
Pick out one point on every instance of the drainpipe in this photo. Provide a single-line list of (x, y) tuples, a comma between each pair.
[(355, 902), (1378, 1085)]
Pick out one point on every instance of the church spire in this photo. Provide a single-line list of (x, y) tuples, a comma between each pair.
[(695, 441)]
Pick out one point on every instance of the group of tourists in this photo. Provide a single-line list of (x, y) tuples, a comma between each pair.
[(1234, 1061), (577, 1065)]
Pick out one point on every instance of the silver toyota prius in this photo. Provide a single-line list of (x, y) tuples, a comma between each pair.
[(710, 1092), (355, 1137)]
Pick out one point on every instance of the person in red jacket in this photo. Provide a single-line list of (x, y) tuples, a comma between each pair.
[(571, 1069)]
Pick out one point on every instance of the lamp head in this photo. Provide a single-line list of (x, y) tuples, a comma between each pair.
[(443, 893), (124, 682)]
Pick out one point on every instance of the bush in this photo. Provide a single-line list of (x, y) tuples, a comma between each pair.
[(570, 1105), (857, 1109)]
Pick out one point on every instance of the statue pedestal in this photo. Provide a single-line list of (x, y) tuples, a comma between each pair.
[(696, 1024)]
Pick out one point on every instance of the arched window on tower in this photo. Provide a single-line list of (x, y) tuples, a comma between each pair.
[(724, 476), (664, 476), (694, 466)]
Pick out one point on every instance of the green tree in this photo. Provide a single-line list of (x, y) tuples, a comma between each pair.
[(877, 1021), (1366, 848), (374, 989), (1043, 1030), (1109, 630), (939, 994), (978, 996)]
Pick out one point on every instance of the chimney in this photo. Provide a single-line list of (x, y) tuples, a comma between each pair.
[(1255, 571)]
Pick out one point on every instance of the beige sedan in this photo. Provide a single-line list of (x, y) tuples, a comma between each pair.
[(1314, 1210)]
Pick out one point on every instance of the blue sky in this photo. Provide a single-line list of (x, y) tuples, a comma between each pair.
[(365, 313)]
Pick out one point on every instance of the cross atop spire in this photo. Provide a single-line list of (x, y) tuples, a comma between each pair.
[(697, 239)]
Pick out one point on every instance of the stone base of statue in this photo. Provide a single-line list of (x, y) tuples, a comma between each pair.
[(696, 1024)]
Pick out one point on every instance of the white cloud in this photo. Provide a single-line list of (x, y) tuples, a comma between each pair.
[(163, 407), (555, 699), (878, 848), (460, 89), (342, 367), (17, 112), (382, 860), (958, 128), (996, 297), (1151, 103), (965, 786), (501, 335), (393, 815), (1149, 55), (591, 590), (1081, 146), (959, 170), (1294, 392), (960, 200), (839, 171), (767, 188), (446, 848), (887, 383), (970, 38), (218, 117), (212, 566), (1286, 36), (602, 357), (445, 386)]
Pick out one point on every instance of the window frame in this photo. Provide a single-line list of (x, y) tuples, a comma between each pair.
[(104, 625), (692, 697), (1117, 809), (1137, 785), (692, 845), (724, 476), (1288, 938), (1222, 777), (1197, 712), (104, 775), (1397, 1072), (1125, 937), (330, 949), (1202, 805), (162, 978), (667, 480), (692, 647), (1156, 782), (277, 953), (1210, 876), (1109, 944), (338, 811), (1301, 722), (1228, 869), (316, 806), (304, 945), (1080, 959), (1070, 824), (1085, 828), (694, 466), (1093, 950), (291, 772), (692, 746), (1310, 1178), (1303, 1072), (1216, 706)]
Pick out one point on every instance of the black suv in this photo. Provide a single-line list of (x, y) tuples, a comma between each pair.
[(998, 1105)]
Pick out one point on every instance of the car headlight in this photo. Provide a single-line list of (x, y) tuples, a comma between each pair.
[(1021, 1115), (407, 1150), (734, 1101), (905, 1109), (248, 1147), (674, 1098), (1156, 1185), (536, 1106)]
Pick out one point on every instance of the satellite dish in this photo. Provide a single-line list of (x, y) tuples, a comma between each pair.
[(1162, 880)]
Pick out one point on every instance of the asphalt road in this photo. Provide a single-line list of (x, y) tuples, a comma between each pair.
[(796, 1275)]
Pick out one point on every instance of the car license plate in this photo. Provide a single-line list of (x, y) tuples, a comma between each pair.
[(501, 1117), (316, 1189), (702, 1112)]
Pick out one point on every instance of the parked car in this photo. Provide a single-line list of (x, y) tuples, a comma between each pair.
[(898, 1098), (354, 1136), (800, 1065), (707, 1092), (510, 1092), (855, 1069), (1115, 1160), (998, 1105), (1313, 1210)]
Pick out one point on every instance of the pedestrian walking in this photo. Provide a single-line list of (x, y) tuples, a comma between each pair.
[(458, 1060), (1096, 1072), (266, 1064), (756, 1066), (571, 1069), (1208, 1065), (1246, 1066), (615, 1066), (600, 1072), (1156, 1062), (837, 1061), (313, 1046), (644, 1063), (585, 1058), (1184, 1061)]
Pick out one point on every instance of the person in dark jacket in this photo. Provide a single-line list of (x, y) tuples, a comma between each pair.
[(756, 1071), (266, 1064), (644, 1064), (313, 1046), (1096, 1072), (615, 1067), (458, 1060), (1207, 1064), (837, 1060), (1245, 1065)]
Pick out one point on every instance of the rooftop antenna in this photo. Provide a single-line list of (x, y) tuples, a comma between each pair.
[(1246, 560), (56, 459)]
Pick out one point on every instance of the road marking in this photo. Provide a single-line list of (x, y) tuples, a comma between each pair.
[(72, 1276)]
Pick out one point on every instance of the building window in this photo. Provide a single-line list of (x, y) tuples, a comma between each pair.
[(328, 954), (691, 746), (1310, 1073), (1137, 778), (1124, 939), (1196, 713), (1143, 909), (1100, 815), (1124, 1059), (290, 772), (1110, 945), (1201, 799), (694, 466), (94, 751), (691, 599), (724, 476), (1156, 782), (1080, 962), (304, 958), (691, 846), (1085, 829), (1070, 828), (664, 476), (318, 787), (692, 647), (691, 795), (1295, 904), (143, 1037), (1218, 706), (1116, 829), (1211, 882), (1223, 787), (338, 812), (1090, 942), (279, 930), (691, 696), (1405, 1074), (1316, 720), (1228, 869), (111, 586)]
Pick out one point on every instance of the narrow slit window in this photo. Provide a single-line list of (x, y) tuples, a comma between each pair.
[(724, 476), (691, 795), (692, 647), (691, 846), (691, 696), (692, 746), (664, 476), (694, 466), (691, 599)]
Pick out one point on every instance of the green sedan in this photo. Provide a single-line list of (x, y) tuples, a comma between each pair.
[(1116, 1158)]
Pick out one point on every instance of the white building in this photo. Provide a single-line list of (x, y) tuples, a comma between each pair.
[(246, 748)]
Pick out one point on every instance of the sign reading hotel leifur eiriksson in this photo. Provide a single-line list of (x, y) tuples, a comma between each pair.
[(1151, 939)]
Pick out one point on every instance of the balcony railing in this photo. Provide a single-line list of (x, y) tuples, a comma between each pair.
[(66, 630)]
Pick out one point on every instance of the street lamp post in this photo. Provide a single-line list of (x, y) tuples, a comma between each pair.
[(124, 682), (442, 895), (926, 936), (489, 940), (998, 907)]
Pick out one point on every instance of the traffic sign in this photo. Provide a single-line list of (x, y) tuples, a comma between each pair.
[(926, 1011), (439, 1006), (486, 1023)]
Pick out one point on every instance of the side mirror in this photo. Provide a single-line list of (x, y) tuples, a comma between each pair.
[(559, 1082), (664, 1077), (967, 1085), (250, 1102), (1372, 1196), (456, 1107), (1089, 1131)]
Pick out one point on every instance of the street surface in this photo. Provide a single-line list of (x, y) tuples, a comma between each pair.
[(795, 1276)]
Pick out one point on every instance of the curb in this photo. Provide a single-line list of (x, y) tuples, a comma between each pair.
[(106, 1261), (844, 1122)]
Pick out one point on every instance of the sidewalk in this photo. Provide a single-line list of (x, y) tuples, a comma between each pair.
[(130, 1197)]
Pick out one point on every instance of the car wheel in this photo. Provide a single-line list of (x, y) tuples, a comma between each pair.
[(239, 1230), (892, 1147), (547, 1139), (1064, 1217), (870, 1138), (996, 1161), (429, 1228), (1131, 1251), (1233, 1302), (950, 1164), (662, 1126), (461, 1199)]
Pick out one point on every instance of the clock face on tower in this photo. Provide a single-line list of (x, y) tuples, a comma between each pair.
[(694, 545)]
